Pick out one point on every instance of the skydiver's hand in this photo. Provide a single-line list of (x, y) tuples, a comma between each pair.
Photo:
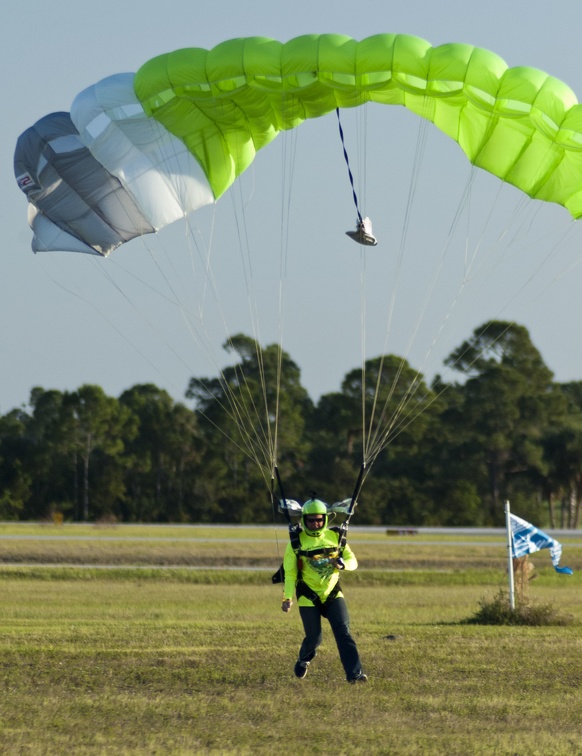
[(286, 605), (339, 564)]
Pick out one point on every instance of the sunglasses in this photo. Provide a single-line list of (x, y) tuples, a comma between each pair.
[(314, 520)]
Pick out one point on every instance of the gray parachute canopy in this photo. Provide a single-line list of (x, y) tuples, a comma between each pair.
[(73, 199)]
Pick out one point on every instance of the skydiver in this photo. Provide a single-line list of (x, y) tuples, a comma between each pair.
[(312, 568)]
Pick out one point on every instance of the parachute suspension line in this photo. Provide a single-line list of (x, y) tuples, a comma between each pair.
[(288, 141), (249, 451), (406, 413), (519, 212), (288, 166), (152, 326), (363, 313), (474, 340), (343, 534), (372, 436), (269, 429), (274, 511), (421, 141), (255, 434), (238, 410), (175, 300), (76, 292), (362, 146), (418, 157), (363, 233), (396, 420), (557, 244), (264, 433), (178, 299), (282, 492), (405, 421), (346, 158), (208, 277), (402, 418), (293, 528), (465, 205), (388, 428), (236, 406)]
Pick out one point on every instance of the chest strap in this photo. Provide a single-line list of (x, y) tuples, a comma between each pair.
[(279, 576)]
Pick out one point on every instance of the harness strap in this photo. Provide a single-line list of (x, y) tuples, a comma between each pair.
[(328, 551), (294, 530), (294, 537), (304, 590)]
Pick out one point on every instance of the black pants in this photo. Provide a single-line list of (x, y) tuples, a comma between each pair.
[(339, 620)]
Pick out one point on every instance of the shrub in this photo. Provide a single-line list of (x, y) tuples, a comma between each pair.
[(498, 612)]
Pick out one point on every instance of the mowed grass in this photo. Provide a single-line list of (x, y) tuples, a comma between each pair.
[(258, 547), (181, 661)]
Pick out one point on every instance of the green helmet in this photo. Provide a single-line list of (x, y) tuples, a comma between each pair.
[(314, 507)]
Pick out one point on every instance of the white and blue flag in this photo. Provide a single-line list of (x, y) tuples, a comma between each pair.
[(526, 539)]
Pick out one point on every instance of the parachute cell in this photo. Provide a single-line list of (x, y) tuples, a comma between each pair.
[(154, 166), (144, 150), (72, 190), (519, 124)]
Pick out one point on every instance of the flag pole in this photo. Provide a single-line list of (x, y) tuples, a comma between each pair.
[(509, 558)]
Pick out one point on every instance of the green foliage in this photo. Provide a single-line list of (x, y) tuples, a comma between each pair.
[(447, 455), (10, 508), (504, 407), (498, 611), (162, 458), (239, 415)]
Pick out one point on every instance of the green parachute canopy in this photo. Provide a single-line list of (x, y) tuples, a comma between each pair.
[(174, 136), (520, 124)]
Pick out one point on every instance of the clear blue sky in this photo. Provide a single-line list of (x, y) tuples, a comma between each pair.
[(66, 321)]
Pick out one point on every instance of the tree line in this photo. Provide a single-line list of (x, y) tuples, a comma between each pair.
[(504, 430)]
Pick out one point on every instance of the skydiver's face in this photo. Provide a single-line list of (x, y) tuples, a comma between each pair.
[(314, 522)]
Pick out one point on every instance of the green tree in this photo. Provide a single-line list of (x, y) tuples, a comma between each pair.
[(252, 416), (562, 478), (56, 483), (100, 425), (15, 475), (450, 469), (507, 402), (379, 417), (163, 457)]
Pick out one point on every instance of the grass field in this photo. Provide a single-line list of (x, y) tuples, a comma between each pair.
[(142, 660)]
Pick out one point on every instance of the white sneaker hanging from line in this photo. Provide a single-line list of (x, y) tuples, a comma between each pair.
[(363, 233)]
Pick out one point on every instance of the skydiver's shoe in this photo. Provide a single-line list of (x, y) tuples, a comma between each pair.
[(361, 677), (301, 669)]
